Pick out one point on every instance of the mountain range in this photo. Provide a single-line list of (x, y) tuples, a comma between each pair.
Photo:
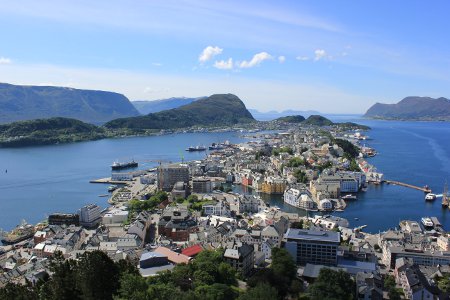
[(412, 108), (20, 102)]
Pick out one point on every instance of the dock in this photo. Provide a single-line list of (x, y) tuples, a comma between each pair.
[(109, 181), (424, 189)]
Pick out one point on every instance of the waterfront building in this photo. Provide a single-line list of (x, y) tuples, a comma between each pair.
[(273, 185), (325, 204), (64, 219), (312, 246), (90, 215), (347, 182), (123, 176), (321, 190), (171, 174)]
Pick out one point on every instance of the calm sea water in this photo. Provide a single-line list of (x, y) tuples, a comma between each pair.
[(47, 179)]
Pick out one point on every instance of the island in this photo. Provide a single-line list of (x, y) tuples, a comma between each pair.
[(412, 109)]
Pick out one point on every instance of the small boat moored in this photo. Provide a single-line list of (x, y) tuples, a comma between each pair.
[(430, 197), (427, 223)]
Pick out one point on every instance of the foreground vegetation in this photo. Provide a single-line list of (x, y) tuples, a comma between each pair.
[(95, 276)]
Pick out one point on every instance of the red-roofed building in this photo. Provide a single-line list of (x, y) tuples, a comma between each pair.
[(192, 251), (174, 257)]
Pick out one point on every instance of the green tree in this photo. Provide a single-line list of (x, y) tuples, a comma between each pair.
[(332, 285), (18, 292), (301, 176), (444, 283), (216, 291), (132, 287), (97, 276), (262, 291), (63, 282)]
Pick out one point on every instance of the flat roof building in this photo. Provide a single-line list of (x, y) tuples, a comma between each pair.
[(312, 246)]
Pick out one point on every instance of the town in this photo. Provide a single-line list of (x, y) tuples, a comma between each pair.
[(165, 217)]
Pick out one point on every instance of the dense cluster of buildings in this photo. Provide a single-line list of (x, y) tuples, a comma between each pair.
[(305, 166)]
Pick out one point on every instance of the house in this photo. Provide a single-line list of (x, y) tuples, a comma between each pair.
[(192, 251), (240, 258), (172, 256)]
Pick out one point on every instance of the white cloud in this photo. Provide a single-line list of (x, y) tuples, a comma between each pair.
[(302, 58), (224, 64), (256, 60), (208, 53), (281, 59), (156, 64), (319, 54), (5, 61)]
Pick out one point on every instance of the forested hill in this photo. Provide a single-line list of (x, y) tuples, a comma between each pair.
[(215, 110), (412, 108), (20, 102)]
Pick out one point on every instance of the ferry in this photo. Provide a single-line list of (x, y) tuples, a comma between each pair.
[(125, 165), (215, 146), (196, 148), (430, 197), (427, 223), (20, 233)]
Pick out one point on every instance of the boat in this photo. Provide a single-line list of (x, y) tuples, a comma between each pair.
[(215, 146), (20, 233), (196, 148), (349, 197), (430, 197), (103, 195), (124, 165), (112, 188), (427, 223), (356, 219)]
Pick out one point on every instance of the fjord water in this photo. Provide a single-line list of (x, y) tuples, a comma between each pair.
[(47, 179)]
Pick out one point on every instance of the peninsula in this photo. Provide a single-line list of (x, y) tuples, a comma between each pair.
[(413, 109)]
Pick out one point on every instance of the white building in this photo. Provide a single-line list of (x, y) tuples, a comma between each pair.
[(325, 204), (115, 216), (90, 215)]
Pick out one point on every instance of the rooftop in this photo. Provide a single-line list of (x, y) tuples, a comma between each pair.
[(313, 235)]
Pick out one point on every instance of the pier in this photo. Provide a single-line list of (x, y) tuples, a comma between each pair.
[(108, 180), (424, 189)]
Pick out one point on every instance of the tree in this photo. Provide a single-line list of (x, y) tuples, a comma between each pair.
[(216, 291), (132, 287), (301, 176), (17, 292), (97, 276), (444, 283), (332, 285), (283, 264), (262, 291), (63, 282)]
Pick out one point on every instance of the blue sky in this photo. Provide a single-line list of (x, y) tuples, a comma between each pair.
[(330, 56)]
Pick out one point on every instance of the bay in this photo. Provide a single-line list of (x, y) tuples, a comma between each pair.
[(47, 179)]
